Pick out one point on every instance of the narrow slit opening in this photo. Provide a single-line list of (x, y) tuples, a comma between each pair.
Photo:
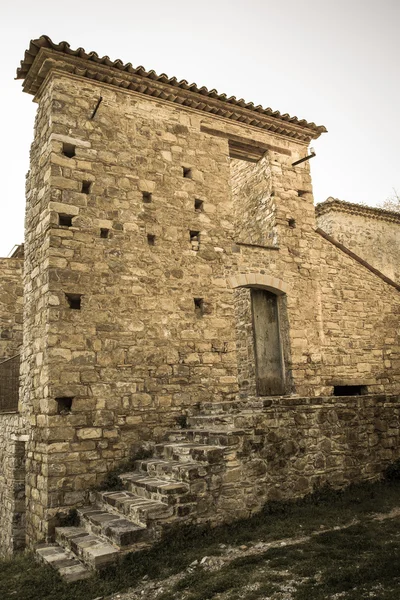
[(86, 186), (198, 205), (195, 239), (198, 306)]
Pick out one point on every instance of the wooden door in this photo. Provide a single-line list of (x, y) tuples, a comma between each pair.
[(267, 344)]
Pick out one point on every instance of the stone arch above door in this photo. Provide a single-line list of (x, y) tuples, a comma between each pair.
[(263, 281)]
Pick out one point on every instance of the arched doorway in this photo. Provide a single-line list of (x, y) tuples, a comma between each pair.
[(268, 352), (262, 334)]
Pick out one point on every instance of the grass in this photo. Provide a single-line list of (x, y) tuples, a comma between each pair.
[(358, 561), (362, 561)]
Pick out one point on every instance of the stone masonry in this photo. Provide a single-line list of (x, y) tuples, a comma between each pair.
[(154, 210), (10, 306), (372, 233)]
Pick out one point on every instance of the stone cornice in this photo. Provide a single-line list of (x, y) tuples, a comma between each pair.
[(43, 55), (334, 205)]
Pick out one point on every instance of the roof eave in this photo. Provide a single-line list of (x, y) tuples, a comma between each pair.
[(34, 69)]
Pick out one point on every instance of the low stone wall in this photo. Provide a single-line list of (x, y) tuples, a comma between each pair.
[(12, 483), (294, 445)]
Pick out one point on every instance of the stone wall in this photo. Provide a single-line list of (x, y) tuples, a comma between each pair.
[(360, 323), (342, 318), (12, 483), (255, 218), (12, 445), (10, 306), (292, 446), (133, 256), (245, 342), (112, 227), (372, 233), (34, 370)]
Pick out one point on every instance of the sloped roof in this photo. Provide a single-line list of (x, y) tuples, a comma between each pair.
[(372, 212), (63, 48)]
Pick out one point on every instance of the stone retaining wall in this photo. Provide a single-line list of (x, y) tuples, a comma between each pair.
[(295, 445)]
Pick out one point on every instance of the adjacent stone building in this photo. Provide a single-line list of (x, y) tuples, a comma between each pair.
[(372, 233), (174, 273)]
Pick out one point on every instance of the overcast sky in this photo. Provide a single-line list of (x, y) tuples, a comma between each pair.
[(334, 62)]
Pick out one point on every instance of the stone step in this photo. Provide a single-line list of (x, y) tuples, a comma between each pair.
[(244, 404), (167, 492), (91, 549), (190, 452), (65, 562), (222, 422), (139, 510), (171, 470), (112, 525), (244, 420), (206, 436), (232, 406)]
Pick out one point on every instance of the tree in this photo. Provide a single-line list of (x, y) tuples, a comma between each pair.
[(392, 202)]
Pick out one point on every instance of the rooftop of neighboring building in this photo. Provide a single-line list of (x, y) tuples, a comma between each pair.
[(372, 212)]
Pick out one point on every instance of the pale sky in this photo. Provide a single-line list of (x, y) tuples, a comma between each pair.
[(334, 62)]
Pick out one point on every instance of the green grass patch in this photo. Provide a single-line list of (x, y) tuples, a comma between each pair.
[(355, 560)]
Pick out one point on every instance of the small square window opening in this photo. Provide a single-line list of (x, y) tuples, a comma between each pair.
[(74, 301), (64, 405), (104, 233), (198, 306), (65, 220), (69, 150), (147, 197), (151, 239), (187, 172)]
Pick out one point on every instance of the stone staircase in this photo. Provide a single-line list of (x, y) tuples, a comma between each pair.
[(183, 482)]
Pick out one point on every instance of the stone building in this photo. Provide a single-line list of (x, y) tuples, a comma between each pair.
[(174, 275), (372, 233)]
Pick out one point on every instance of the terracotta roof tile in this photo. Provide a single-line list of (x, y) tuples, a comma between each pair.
[(63, 47)]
